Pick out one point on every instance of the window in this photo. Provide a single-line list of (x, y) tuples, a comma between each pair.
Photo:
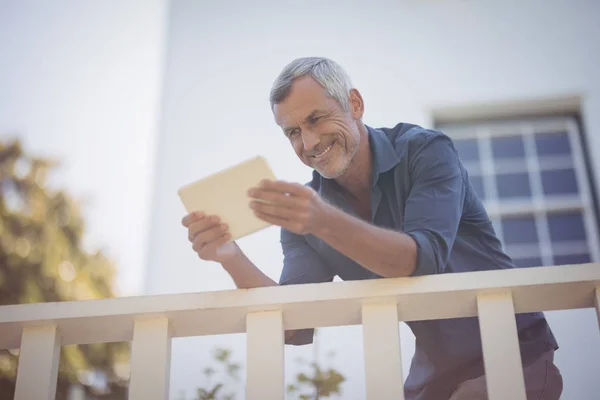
[(532, 176)]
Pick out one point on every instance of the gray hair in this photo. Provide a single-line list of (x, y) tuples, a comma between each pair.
[(326, 72)]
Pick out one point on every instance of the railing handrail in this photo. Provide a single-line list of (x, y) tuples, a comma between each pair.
[(312, 305), (150, 322)]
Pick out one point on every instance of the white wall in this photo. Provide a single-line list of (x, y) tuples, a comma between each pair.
[(406, 57), (79, 81)]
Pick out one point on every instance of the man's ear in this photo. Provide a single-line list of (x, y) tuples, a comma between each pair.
[(357, 105)]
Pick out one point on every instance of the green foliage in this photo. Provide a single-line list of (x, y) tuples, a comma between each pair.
[(229, 370), (316, 383), (42, 259), (313, 384)]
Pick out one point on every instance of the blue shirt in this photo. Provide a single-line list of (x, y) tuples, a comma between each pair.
[(420, 187)]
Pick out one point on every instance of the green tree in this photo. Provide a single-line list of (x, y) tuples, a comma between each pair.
[(316, 382), (225, 368), (42, 259)]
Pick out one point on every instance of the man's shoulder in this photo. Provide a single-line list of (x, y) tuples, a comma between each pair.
[(405, 136)]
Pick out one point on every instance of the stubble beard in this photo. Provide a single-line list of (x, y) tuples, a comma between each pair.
[(340, 165)]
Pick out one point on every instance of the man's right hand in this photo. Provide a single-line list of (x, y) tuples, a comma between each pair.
[(209, 237)]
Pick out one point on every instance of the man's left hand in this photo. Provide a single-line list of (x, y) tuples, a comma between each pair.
[(292, 206)]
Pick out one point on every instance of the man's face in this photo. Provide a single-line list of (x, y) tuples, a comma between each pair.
[(324, 136)]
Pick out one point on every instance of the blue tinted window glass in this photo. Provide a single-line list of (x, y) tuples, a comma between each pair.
[(528, 262), (513, 185), (508, 147), (566, 226), (550, 144), (519, 230), (561, 181), (477, 183), (467, 149), (572, 259)]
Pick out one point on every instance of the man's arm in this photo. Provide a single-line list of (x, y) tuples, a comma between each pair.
[(244, 273), (300, 265), (431, 217), (210, 240), (385, 252), (432, 214)]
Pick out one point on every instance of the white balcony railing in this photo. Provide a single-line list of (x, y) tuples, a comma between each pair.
[(151, 321)]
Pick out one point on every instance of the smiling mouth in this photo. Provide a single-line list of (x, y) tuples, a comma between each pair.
[(321, 154)]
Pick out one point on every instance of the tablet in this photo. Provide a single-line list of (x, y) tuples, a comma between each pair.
[(225, 194)]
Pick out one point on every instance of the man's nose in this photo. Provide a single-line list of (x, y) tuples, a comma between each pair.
[(310, 140)]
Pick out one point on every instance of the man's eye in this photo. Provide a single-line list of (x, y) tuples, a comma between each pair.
[(293, 132), (314, 119)]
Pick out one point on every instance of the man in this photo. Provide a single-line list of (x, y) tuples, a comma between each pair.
[(382, 203)]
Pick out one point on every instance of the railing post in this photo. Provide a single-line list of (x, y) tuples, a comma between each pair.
[(38, 363), (264, 374), (383, 362), (501, 352), (150, 360)]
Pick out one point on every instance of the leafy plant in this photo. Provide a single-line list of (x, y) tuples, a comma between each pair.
[(43, 259), (229, 369), (316, 382)]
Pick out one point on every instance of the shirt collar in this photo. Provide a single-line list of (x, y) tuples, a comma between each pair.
[(383, 153), (384, 158)]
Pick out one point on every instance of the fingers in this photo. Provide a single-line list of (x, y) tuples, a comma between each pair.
[(204, 229), (208, 234), (209, 237), (289, 224), (191, 217), (272, 219), (202, 225), (275, 210), (287, 187), (278, 198), (284, 187)]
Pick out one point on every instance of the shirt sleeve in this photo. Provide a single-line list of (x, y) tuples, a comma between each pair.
[(434, 206), (301, 264)]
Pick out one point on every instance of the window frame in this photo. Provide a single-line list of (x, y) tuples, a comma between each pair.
[(539, 205)]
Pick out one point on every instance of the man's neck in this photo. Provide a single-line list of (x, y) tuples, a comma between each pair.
[(357, 179)]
